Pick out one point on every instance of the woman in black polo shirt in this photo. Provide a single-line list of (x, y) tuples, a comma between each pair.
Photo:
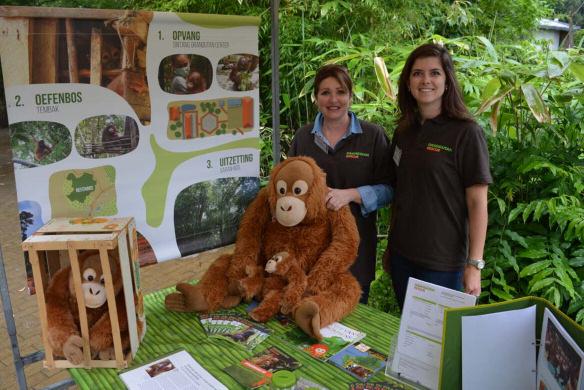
[(353, 153), (439, 168)]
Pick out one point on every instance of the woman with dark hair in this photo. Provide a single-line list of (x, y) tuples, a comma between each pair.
[(439, 168), (353, 153)]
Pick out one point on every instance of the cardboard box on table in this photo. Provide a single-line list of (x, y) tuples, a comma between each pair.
[(57, 245), (451, 358)]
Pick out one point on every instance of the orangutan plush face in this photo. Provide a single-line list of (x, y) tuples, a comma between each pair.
[(293, 185), (93, 280), (93, 283)]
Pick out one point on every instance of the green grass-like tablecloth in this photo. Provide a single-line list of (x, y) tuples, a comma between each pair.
[(169, 331)]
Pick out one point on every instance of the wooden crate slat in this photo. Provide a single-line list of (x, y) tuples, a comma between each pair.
[(126, 268), (40, 293), (82, 225), (76, 272), (72, 237), (112, 306), (91, 364), (65, 241)]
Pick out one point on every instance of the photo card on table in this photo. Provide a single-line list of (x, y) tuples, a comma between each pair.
[(559, 363)]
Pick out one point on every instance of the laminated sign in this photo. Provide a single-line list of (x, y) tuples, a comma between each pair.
[(117, 113)]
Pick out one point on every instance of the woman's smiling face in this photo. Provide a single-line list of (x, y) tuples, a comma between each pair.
[(427, 83), (333, 99)]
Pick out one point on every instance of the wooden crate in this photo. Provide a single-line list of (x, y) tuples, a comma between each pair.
[(57, 245)]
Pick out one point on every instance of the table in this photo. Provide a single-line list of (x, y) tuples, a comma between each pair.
[(169, 331)]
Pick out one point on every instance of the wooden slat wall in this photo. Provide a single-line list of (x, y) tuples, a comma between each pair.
[(96, 48), (44, 59), (14, 49)]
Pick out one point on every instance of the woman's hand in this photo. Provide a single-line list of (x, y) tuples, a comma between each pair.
[(335, 199), (471, 280)]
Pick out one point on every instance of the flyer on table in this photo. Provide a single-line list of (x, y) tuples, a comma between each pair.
[(176, 371), (417, 355)]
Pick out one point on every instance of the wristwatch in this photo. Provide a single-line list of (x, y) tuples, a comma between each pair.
[(477, 263)]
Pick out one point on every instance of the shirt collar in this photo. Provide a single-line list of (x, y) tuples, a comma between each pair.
[(354, 126), (439, 119)]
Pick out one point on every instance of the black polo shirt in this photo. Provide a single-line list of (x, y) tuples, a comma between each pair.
[(358, 160), (430, 167)]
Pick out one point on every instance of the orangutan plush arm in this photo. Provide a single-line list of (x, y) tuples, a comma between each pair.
[(340, 254), (248, 245), (61, 323)]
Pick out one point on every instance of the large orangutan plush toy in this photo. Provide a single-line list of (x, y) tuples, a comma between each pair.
[(64, 333), (289, 215)]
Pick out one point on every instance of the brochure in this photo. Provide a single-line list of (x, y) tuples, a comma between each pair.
[(234, 328), (175, 371), (419, 343), (559, 364), (359, 360), (336, 337), (256, 370)]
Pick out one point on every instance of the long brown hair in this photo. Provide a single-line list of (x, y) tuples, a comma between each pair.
[(452, 102)]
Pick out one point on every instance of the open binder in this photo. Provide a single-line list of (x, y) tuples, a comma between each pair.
[(451, 357)]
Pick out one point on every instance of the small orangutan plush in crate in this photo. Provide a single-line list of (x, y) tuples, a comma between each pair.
[(64, 332)]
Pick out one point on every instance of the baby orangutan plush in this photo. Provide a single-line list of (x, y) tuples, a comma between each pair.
[(288, 215), (64, 334), (286, 279)]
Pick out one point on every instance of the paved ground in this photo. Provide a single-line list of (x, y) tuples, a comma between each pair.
[(154, 277)]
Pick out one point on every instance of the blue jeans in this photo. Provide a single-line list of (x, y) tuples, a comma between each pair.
[(402, 269)]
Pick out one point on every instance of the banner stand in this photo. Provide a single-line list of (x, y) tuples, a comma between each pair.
[(21, 361)]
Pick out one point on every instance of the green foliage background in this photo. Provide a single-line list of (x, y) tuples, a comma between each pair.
[(529, 100)]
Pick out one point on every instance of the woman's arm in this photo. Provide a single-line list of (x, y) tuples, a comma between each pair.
[(370, 197), (335, 198), (476, 203)]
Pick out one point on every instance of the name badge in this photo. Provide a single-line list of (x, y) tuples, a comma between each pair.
[(320, 143), (397, 155)]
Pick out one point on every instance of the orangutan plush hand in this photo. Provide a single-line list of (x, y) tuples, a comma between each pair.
[(288, 215)]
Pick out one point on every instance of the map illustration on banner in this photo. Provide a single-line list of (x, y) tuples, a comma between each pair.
[(118, 113)]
